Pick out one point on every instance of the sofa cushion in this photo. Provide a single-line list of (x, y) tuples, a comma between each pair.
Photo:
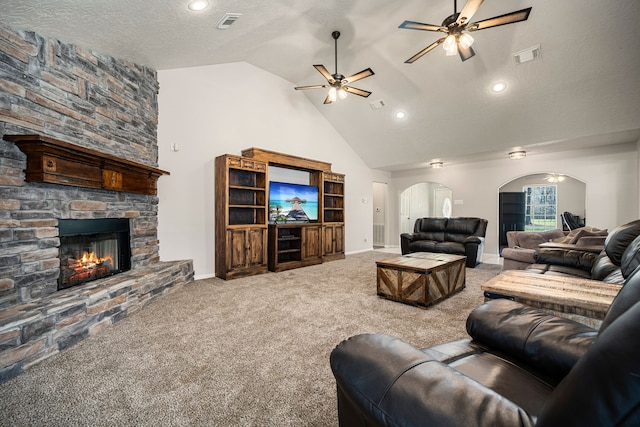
[(602, 267), (619, 239), (574, 235), (558, 270), (626, 298), (431, 225), (550, 343), (423, 246), (519, 254), (631, 258), (436, 236), (462, 225), (563, 270), (570, 258), (531, 239), (450, 248), (584, 232)]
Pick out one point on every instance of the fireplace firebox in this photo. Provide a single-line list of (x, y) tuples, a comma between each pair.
[(92, 248)]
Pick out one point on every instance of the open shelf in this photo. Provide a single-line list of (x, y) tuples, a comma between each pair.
[(333, 197)]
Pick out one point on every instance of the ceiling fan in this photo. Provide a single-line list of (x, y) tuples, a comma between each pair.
[(457, 28), (338, 84), (554, 177)]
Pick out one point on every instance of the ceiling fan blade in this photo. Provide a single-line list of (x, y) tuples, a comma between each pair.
[(424, 51), (327, 100), (465, 53), (468, 11), (508, 18), (327, 75), (358, 76), (357, 91), (309, 87), (411, 25)]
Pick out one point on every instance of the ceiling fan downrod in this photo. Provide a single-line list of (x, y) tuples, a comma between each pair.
[(335, 36)]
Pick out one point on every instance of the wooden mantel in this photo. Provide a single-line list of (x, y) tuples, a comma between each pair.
[(57, 162)]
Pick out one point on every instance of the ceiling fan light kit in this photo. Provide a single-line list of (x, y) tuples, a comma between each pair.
[(457, 27), (337, 83), (554, 177)]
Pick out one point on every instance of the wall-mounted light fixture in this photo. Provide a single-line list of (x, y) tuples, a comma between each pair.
[(436, 165), (516, 155)]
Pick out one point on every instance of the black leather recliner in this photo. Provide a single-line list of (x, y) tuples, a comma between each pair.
[(457, 236), (522, 367)]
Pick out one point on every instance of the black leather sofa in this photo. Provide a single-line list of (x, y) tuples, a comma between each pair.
[(521, 367), (612, 265), (457, 236)]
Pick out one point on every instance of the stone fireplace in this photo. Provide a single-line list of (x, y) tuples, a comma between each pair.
[(98, 104)]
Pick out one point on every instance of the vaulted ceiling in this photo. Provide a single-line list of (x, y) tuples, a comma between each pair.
[(583, 90)]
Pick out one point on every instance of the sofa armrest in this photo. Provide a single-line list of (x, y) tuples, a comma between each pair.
[(519, 254), (547, 343), (383, 381), (405, 239), (473, 248), (473, 239)]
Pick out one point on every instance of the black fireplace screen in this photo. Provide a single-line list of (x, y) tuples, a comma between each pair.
[(91, 249)]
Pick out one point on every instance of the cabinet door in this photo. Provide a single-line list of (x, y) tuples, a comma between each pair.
[(311, 243), (256, 247), (333, 239), (329, 241), (237, 248), (338, 235)]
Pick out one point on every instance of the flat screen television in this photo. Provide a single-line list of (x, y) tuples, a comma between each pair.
[(291, 203)]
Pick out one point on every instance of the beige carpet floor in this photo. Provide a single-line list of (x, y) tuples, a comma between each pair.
[(246, 352)]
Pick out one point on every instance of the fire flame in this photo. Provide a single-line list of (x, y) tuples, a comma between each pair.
[(90, 260)]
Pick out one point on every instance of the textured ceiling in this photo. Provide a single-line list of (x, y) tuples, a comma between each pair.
[(583, 91)]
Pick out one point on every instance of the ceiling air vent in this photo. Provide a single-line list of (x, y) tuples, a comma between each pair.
[(228, 19), (527, 55)]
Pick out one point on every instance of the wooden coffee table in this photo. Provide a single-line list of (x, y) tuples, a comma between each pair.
[(421, 278), (586, 301)]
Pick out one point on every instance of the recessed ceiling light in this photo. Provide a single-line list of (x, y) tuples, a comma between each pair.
[(198, 5), (401, 114), (498, 87)]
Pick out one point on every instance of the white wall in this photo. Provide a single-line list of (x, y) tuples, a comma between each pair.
[(224, 109), (610, 174)]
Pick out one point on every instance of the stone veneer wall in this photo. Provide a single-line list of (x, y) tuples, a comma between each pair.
[(81, 97)]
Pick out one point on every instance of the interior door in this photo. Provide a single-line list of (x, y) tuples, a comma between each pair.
[(406, 226)]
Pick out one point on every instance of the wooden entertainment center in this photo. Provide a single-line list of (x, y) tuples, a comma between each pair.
[(247, 243)]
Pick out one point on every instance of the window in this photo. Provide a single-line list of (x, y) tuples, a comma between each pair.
[(540, 207)]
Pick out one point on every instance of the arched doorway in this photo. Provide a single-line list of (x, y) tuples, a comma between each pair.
[(424, 199), (546, 196)]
